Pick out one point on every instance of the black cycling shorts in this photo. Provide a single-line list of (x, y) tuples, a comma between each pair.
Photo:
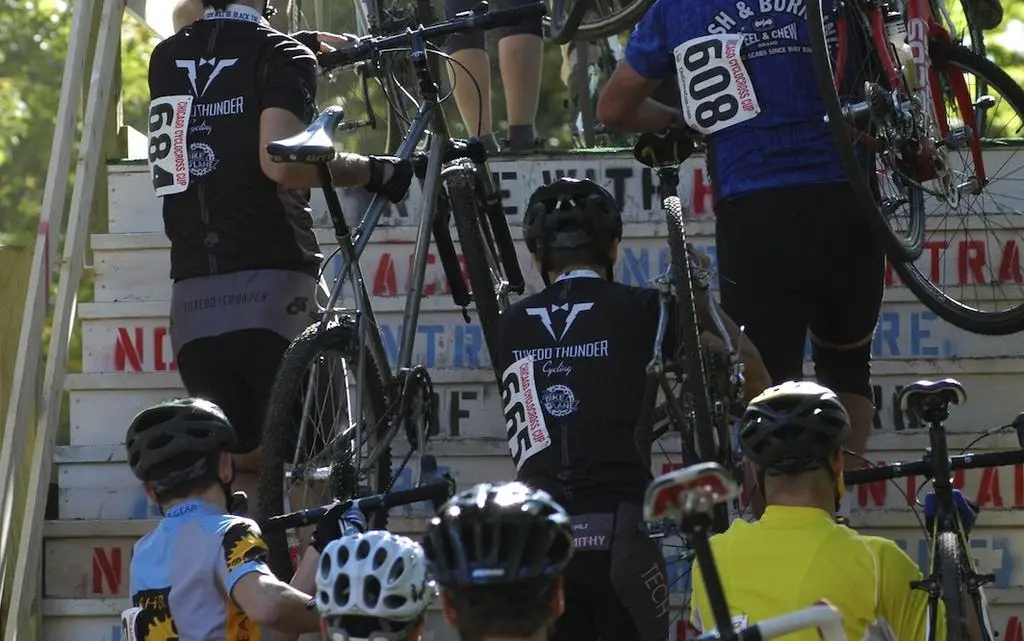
[(236, 371), (798, 259), (615, 589)]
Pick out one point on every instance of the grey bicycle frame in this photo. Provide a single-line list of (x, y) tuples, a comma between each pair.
[(351, 247)]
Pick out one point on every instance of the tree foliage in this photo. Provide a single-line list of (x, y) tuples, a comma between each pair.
[(34, 42)]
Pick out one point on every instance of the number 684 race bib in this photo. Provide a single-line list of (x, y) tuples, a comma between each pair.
[(168, 144), (524, 420), (714, 84)]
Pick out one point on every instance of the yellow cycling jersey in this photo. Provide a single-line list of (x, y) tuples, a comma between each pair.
[(796, 556)]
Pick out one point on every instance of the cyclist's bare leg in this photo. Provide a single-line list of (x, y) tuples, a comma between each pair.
[(519, 58), (474, 106), (860, 408)]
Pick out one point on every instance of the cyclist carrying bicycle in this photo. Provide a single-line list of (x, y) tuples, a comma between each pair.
[(796, 554), (202, 572), (374, 586), (795, 254), (244, 259), (575, 355), (499, 552)]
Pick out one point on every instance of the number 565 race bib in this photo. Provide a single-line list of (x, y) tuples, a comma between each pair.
[(168, 144), (714, 84), (524, 420)]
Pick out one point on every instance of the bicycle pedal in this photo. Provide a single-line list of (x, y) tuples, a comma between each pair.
[(981, 580)]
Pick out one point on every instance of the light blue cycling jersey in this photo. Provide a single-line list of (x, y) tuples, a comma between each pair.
[(783, 141), (182, 574)]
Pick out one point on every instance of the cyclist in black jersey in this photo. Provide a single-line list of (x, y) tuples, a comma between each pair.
[(244, 259), (199, 552), (574, 358), (499, 553)]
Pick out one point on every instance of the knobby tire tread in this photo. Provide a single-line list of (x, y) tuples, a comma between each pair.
[(291, 374), (949, 566), (897, 247), (695, 380), (1004, 322), (461, 185), (616, 23)]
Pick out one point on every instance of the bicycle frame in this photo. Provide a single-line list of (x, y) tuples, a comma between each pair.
[(922, 28), (938, 466), (351, 245)]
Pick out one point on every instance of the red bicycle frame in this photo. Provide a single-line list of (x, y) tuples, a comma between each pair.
[(922, 29)]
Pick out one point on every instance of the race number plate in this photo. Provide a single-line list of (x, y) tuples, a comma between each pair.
[(168, 144), (524, 420), (714, 83)]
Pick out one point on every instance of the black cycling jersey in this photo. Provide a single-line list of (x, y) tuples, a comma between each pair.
[(231, 217), (590, 341)]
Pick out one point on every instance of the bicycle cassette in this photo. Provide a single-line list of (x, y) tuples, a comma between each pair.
[(416, 411)]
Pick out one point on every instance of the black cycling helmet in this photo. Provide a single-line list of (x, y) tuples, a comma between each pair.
[(570, 214), (793, 427), (498, 534), (173, 431)]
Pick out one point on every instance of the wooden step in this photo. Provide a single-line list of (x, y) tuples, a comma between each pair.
[(134, 207)]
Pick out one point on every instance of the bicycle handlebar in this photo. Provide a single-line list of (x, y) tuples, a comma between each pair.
[(924, 466), (480, 19), (437, 492), (823, 617)]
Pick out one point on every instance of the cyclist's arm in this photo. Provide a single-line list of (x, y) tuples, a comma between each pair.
[(288, 95), (625, 102), (264, 598), (904, 609)]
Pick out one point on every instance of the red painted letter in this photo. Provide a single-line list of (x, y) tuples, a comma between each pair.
[(128, 351)]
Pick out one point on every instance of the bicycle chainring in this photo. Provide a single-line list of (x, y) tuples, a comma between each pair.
[(417, 405)]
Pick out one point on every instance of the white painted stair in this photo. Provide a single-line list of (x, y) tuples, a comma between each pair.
[(128, 365)]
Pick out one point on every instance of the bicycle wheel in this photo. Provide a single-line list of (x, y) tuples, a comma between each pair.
[(949, 568), (482, 265), (882, 180), (314, 383), (603, 18), (695, 394), (988, 300)]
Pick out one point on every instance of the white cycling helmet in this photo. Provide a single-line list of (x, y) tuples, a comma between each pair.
[(377, 575)]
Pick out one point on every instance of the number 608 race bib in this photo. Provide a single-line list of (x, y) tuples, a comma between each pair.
[(524, 420), (714, 84), (168, 144)]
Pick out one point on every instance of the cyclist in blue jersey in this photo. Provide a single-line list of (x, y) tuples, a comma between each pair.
[(795, 255), (202, 572)]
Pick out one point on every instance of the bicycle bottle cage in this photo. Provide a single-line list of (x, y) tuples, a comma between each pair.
[(691, 490)]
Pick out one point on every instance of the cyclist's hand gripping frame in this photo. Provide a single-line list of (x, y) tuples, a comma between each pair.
[(689, 496)]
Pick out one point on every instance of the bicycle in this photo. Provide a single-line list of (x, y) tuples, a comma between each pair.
[(589, 20), (891, 104), (690, 497), (353, 454), (703, 414), (952, 566)]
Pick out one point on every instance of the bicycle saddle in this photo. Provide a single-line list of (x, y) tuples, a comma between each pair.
[(313, 146), (665, 149), (922, 394)]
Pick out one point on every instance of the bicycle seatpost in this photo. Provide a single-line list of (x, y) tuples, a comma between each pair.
[(696, 527), (668, 182)]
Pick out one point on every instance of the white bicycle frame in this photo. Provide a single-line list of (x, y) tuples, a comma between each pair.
[(695, 491)]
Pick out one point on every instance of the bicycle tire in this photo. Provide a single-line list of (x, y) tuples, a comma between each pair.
[(1003, 322), (461, 184), (695, 389), (300, 355), (949, 565), (899, 248), (618, 22)]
